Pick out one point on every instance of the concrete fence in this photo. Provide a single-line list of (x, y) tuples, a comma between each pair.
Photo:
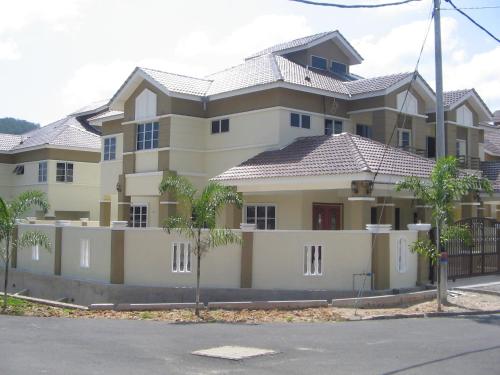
[(270, 260)]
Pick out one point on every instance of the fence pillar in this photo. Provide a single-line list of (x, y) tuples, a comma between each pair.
[(246, 259), (104, 213), (381, 260), (58, 245), (117, 269)]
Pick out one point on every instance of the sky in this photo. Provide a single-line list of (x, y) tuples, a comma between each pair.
[(59, 55)]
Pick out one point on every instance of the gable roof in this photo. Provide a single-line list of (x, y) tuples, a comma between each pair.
[(7, 141), (330, 155), (64, 133), (452, 99), (310, 41), (491, 170)]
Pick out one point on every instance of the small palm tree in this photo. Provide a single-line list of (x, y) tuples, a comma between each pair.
[(204, 208), (10, 212), (447, 185)]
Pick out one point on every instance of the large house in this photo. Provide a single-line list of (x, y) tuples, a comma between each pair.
[(293, 129), (62, 160)]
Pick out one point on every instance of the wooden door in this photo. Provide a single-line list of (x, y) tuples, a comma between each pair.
[(327, 216)]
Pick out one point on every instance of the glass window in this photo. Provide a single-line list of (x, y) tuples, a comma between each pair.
[(220, 126), (338, 127), (333, 127), (42, 171), (318, 62), (339, 67), (215, 126), (263, 215), (328, 127), (64, 172), (461, 148), (404, 138), (147, 136), (364, 131), (306, 121), (109, 148), (138, 216), (295, 120)]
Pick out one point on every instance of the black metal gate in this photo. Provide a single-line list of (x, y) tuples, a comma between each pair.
[(482, 257)]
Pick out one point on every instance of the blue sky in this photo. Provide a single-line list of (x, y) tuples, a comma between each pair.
[(59, 55)]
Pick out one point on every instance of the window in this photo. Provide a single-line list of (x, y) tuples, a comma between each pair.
[(300, 121), (84, 253), (64, 172), (313, 260), (19, 169), (35, 252), (147, 136), (373, 215), (109, 148), (461, 148), (339, 67), (138, 216), (220, 126), (431, 147), (402, 255), (42, 171), (333, 127), (364, 131), (319, 62), (397, 218), (181, 257), (263, 215), (404, 138), (464, 116), (407, 103)]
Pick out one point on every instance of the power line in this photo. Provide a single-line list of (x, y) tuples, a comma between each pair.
[(355, 6), (470, 19), (474, 8)]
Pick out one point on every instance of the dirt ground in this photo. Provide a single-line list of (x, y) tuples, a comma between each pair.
[(457, 302)]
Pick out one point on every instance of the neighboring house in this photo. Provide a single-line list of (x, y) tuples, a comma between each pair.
[(60, 159), (496, 118), (275, 127)]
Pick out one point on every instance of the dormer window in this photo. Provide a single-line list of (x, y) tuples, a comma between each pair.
[(339, 67), (319, 62)]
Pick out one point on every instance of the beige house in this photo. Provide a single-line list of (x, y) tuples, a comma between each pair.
[(311, 132), (62, 160)]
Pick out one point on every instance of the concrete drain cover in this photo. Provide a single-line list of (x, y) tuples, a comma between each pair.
[(234, 353)]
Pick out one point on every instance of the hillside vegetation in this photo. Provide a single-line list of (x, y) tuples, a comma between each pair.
[(11, 125)]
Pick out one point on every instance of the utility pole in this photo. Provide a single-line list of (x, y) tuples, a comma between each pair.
[(440, 144)]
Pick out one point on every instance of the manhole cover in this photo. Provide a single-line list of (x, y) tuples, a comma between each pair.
[(234, 353)]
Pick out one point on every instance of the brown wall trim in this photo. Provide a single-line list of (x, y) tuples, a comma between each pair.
[(52, 154), (246, 260), (117, 271), (381, 261), (112, 127), (104, 214), (58, 251)]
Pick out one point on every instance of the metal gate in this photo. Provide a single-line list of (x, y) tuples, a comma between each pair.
[(482, 257)]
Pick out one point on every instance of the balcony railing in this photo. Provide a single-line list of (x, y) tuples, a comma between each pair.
[(468, 162)]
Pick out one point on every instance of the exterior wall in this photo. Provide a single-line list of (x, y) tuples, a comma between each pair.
[(45, 265), (278, 259), (407, 279), (100, 253), (148, 262)]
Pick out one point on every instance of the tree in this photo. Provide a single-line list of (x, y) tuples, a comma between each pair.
[(10, 212), (447, 185), (204, 208)]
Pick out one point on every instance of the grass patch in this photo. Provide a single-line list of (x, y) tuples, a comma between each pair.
[(15, 306)]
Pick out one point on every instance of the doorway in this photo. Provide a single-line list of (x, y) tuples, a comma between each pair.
[(327, 216)]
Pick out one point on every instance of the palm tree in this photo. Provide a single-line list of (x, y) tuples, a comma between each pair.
[(10, 212), (447, 185), (204, 208)]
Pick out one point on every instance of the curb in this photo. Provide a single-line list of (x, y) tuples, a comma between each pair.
[(49, 302), (429, 315), (479, 291)]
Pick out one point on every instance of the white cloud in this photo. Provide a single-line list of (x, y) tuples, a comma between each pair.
[(9, 50)]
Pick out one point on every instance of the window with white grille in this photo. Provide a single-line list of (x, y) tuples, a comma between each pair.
[(402, 255), (35, 252), (313, 260), (84, 253), (181, 257)]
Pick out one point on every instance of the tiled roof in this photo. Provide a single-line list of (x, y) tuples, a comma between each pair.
[(106, 115), (67, 132), (366, 85), (91, 107), (491, 170), (179, 83), (291, 44), (7, 141), (451, 97), (492, 140), (331, 155)]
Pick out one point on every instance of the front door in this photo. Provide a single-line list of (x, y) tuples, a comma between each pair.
[(327, 216)]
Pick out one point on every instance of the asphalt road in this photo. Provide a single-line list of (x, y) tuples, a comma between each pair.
[(407, 346)]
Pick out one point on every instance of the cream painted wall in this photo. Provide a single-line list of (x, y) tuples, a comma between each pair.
[(111, 169), (278, 259), (148, 262), (143, 185), (146, 161), (100, 253), (45, 265), (407, 279)]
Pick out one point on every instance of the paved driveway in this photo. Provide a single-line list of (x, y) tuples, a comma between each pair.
[(409, 346)]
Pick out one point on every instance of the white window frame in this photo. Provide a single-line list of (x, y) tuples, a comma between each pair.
[(459, 144), (106, 155), (66, 163), (84, 253), (322, 58), (341, 63), (334, 123), (400, 137), (219, 125), (132, 218), (464, 116), (402, 254), (266, 205), (154, 139), (301, 123), (310, 268), (43, 166), (186, 261), (35, 253)]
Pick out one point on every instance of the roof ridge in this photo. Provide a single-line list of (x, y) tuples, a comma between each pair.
[(366, 166), (174, 74), (276, 67), (234, 66)]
